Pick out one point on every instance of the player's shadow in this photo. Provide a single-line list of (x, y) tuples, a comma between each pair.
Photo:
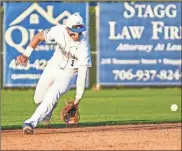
[(104, 123), (82, 124), (61, 128)]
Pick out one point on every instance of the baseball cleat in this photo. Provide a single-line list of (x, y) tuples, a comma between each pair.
[(27, 128), (47, 119)]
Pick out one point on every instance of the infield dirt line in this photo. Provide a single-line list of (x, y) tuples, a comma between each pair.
[(104, 128)]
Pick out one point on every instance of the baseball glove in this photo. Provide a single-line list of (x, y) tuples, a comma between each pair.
[(70, 114)]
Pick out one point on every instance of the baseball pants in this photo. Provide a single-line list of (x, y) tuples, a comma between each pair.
[(53, 82)]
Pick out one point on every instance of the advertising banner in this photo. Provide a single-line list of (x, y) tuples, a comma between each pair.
[(139, 43), (22, 20)]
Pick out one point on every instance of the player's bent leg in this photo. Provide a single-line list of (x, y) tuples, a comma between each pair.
[(43, 84), (59, 86), (63, 87), (46, 107)]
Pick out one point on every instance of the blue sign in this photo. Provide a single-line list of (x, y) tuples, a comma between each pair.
[(139, 43), (22, 20)]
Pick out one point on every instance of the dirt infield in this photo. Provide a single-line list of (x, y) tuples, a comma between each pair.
[(123, 137)]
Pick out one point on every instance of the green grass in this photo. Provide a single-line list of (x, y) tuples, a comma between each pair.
[(104, 107)]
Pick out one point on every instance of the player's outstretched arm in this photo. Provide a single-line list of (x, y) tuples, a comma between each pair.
[(80, 84), (23, 58)]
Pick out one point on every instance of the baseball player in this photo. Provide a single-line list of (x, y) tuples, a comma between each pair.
[(69, 62)]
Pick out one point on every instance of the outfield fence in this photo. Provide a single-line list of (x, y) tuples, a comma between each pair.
[(132, 44), (92, 39)]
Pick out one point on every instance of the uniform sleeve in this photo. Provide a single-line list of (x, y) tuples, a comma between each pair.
[(84, 57), (51, 34), (80, 83), (84, 61)]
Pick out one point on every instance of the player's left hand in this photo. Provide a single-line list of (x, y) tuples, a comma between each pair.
[(70, 114), (22, 60)]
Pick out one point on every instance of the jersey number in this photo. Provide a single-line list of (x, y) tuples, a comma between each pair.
[(72, 63)]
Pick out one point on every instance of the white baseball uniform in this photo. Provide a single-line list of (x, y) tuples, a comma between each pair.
[(68, 64)]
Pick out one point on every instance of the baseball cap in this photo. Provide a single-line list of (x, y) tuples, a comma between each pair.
[(75, 23)]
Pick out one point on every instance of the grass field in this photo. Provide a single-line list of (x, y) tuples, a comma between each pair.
[(104, 107)]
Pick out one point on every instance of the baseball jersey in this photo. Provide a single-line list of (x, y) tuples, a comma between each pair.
[(68, 53)]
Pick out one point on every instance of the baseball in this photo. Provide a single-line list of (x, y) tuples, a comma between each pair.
[(174, 107)]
